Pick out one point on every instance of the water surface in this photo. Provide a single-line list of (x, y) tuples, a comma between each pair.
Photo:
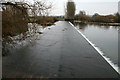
[(104, 37)]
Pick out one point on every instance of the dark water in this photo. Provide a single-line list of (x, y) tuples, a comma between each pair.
[(104, 37)]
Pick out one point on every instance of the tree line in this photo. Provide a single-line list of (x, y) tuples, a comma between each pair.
[(81, 16), (97, 18)]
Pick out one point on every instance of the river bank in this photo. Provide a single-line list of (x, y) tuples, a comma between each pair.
[(98, 23), (23, 39)]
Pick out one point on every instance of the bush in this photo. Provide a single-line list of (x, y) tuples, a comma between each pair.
[(14, 20)]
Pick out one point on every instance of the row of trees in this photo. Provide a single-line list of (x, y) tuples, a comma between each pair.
[(70, 15), (97, 18)]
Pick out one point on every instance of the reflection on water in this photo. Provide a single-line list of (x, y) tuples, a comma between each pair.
[(81, 25), (104, 37), (23, 39)]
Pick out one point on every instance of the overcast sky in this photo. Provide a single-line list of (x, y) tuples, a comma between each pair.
[(103, 7)]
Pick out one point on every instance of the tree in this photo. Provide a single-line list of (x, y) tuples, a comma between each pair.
[(70, 9), (82, 13), (15, 17), (40, 8), (117, 17), (96, 14)]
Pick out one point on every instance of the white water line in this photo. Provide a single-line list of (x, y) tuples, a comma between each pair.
[(115, 67)]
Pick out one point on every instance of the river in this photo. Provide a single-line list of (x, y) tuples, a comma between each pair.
[(104, 37)]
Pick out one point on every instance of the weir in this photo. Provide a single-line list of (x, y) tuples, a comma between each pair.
[(61, 52)]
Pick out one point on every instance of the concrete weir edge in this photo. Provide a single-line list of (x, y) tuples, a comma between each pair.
[(115, 67)]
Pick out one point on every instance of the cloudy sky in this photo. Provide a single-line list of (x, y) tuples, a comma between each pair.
[(103, 7)]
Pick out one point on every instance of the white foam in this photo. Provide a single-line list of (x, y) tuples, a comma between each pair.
[(99, 51)]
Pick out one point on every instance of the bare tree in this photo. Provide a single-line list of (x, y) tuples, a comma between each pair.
[(40, 8), (16, 16)]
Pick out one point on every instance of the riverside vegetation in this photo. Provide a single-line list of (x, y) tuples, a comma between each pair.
[(16, 16), (97, 19)]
